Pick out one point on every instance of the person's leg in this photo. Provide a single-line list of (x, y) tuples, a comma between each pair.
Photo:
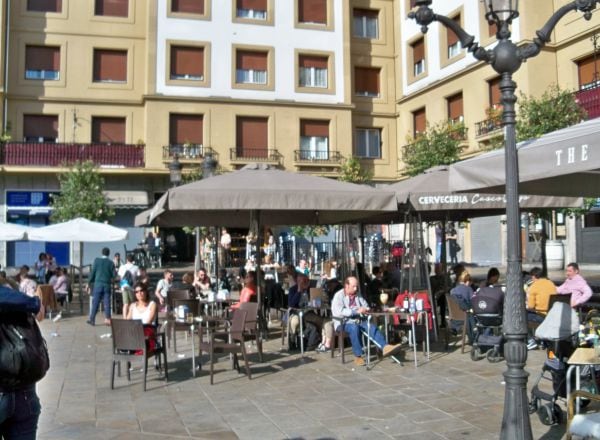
[(22, 425), (374, 334), (107, 302), (294, 324), (354, 333), (126, 300), (96, 296)]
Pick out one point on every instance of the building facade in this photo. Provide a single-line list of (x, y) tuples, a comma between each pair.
[(299, 84)]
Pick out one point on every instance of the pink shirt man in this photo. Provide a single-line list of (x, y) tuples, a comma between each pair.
[(575, 285)]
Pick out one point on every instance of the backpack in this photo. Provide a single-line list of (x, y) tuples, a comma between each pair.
[(24, 356), (127, 279)]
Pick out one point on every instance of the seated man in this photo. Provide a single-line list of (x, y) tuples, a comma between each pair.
[(575, 285), (538, 300), (348, 304), (298, 297)]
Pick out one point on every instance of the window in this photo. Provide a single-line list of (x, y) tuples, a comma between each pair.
[(110, 65), (40, 128), (313, 71), (252, 137), (314, 140), (42, 63), (312, 11), (107, 130), (368, 143), (588, 71), (188, 6), (418, 52), (251, 9), (187, 63), (419, 122), (251, 67), (366, 23), (186, 135), (44, 5), (452, 40), (366, 81), (495, 95), (111, 8), (455, 108)]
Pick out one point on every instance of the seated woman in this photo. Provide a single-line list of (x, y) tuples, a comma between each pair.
[(146, 311), (60, 284), (248, 293), (463, 293)]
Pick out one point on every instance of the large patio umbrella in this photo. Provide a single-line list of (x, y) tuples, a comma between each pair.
[(78, 230), (13, 232), (268, 196), (565, 162)]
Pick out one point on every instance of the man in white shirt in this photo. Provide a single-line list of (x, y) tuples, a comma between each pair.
[(126, 282), (225, 248)]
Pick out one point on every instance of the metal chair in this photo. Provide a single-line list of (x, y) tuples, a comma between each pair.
[(129, 343), (251, 330), (193, 306)]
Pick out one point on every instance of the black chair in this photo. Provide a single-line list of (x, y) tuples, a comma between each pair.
[(251, 328), (129, 343), (193, 306)]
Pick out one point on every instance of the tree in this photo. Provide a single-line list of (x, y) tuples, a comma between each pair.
[(81, 195), (353, 172), (555, 109), (440, 144)]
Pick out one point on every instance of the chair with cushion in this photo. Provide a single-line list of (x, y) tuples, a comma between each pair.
[(129, 343), (229, 342), (455, 313), (582, 425)]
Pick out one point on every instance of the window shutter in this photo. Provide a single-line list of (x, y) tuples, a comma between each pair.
[(110, 65), (588, 70), (316, 62), (186, 128), (455, 106), (312, 11), (112, 8), (188, 6), (37, 126), (312, 128), (187, 61), (256, 5), (44, 5), (366, 80), (42, 58), (418, 48), (250, 60), (495, 95), (451, 36), (419, 121), (108, 130), (252, 136)]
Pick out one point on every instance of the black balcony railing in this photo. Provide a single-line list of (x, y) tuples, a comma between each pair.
[(51, 154), (243, 154), (186, 151), (589, 98), (321, 157), (487, 126)]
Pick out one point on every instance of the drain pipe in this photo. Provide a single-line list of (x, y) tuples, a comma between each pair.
[(5, 73)]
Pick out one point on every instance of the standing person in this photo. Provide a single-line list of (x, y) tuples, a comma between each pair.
[(19, 403), (127, 273), (117, 261), (225, 243), (101, 278), (40, 268), (348, 304), (576, 285), (163, 287), (451, 237)]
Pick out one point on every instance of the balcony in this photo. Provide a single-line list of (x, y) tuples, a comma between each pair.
[(187, 153), (243, 155), (318, 158), (589, 99), (488, 127), (51, 154)]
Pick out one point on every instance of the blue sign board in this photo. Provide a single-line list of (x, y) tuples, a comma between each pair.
[(28, 198)]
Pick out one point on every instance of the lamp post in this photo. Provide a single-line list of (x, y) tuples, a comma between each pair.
[(506, 58), (175, 171)]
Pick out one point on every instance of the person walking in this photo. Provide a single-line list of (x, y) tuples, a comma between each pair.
[(101, 278)]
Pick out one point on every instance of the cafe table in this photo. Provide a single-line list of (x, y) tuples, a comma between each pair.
[(581, 357)]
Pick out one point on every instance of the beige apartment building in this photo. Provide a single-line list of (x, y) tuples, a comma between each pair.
[(298, 84)]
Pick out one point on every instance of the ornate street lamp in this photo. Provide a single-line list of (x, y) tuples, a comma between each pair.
[(175, 171), (506, 58)]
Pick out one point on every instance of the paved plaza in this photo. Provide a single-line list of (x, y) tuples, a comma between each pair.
[(289, 397)]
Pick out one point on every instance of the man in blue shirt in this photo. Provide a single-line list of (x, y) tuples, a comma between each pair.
[(101, 278)]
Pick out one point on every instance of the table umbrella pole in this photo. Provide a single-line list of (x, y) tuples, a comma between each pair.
[(81, 277)]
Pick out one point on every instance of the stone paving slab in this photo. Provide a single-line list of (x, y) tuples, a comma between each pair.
[(289, 397)]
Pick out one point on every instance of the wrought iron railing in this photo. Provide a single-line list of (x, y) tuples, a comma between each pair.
[(243, 154), (333, 157), (51, 154), (186, 151), (487, 126)]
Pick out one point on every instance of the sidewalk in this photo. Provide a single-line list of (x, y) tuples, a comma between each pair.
[(448, 397)]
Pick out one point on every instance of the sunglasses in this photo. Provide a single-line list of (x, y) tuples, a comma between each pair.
[(138, 290)]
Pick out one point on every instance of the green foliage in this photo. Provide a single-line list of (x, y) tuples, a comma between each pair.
[(81, 195), (352, 171), (438, 145), (554, 110), (310, 231)]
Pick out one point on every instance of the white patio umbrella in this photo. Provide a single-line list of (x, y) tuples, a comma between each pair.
[(78, 230), (13, 232)]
